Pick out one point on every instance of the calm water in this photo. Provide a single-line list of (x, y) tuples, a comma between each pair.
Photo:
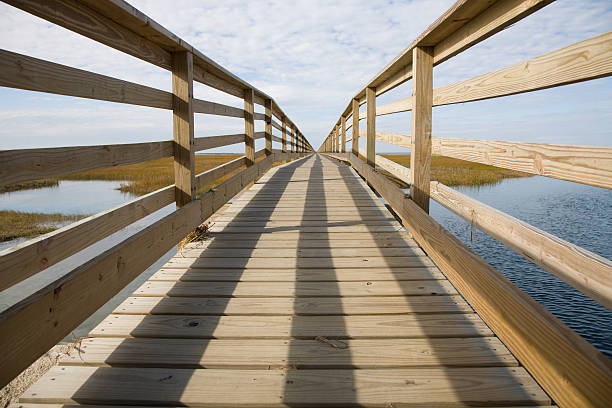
[(78, 197), (577, 213)]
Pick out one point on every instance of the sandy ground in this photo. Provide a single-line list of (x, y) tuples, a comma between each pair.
[(11, 393)]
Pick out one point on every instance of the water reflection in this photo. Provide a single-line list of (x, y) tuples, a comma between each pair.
[(577, 213)]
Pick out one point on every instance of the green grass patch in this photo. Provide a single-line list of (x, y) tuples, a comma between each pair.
[(16, 224), (455, 172)]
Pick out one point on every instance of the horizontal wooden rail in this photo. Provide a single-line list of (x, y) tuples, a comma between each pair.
[(587, 272), (33, 164), (583, 61), (571, 370), (590, 165), (212, 108), (210, 176), (23, 72), (210, 142), (28, 258), (62, 305)]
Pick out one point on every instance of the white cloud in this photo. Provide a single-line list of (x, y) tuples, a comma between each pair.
[(311, 56)]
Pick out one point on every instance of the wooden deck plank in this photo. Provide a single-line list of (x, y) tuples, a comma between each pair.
[(373, 305), (300, 354), (217, 387), (307, 292), (284, 327), (300, 252), (283, 263), (296, 289), (252, 242), (296, 275)]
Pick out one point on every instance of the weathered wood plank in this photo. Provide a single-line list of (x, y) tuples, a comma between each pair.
[(33, 74), (183, 128), (293, 289), (301, 327), (300, 354), (24, 260), (371, 126), (210, 176), (283, 263), (218, 387), (249, 127), (296, 275), (420, 149), (33, 164), (368, 305), (210, 142), (209, 252), (213, 108)]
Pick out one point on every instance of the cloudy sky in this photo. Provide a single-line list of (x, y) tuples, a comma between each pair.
[(311, 56)]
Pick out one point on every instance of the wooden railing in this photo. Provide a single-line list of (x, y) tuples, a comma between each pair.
[(32, 326), (572, 371)]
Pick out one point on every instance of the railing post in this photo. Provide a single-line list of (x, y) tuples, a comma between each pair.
[(294, 130), (343, 142), (420, 151), (249, 126), (268, 105), (284, 137), (371, 126), (337, 137), (182, 120), (355, 141)]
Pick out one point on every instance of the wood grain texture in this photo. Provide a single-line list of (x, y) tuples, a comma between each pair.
[(210, 176), (23, 72), (420, 149), (210, 142), (301, 306), (583, 377), (579, 62), (301, 354), (213, 108), (284, 137), (24, 260), (355, 125), (290, 289), (343, 140), (371, 126), (278, 388), (33, 164), (300, 327), (268, 131), (183, 128), (249, 127)]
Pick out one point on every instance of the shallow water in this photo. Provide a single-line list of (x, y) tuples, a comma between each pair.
[(69, 197), (577, 213)]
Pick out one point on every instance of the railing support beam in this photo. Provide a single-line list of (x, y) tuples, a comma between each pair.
[(183, 122), (249, 126), (355, 141), (284, 137), (420, 151), (370, 126), (268, 131)]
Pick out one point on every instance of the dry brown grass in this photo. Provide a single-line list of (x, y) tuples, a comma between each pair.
[(143, 178), (15, 224), (455, 172)]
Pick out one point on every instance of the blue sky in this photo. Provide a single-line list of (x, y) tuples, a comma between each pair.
[(311, 56)]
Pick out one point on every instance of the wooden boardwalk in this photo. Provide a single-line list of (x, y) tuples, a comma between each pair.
[(308, 293)]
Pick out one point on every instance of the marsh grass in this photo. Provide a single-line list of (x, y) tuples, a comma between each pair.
[(15, 224), (29, 185), (455, 172), (143, 178)]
